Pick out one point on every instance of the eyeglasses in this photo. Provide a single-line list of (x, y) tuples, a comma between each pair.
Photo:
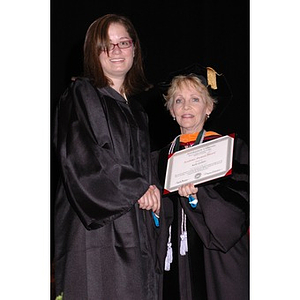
[(121, 45)]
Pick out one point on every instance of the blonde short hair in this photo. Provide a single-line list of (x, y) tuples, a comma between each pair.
[(192, 80)]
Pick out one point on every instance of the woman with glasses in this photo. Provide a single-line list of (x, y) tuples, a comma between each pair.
[(107, 210)]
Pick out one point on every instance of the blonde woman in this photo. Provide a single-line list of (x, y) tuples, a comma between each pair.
[(206, 234)]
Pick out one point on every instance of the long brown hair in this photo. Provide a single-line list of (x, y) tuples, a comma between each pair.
[(97, 39)]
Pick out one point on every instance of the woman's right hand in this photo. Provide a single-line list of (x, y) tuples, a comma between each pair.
[(188, 189), (151, 200)]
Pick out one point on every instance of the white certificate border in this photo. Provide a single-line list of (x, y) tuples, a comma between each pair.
[(222, 173)]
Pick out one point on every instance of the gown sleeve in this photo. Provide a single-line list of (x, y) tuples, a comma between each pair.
[(221, 217), (100, 185)]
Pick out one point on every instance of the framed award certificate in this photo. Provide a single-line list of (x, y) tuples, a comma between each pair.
[(198, 164)]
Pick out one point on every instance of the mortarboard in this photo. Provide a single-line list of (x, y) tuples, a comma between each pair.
[(216, 83)]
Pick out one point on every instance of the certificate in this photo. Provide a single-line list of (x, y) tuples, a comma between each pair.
[(199, 164)]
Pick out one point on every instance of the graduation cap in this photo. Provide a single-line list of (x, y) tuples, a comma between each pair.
[(215, 82)]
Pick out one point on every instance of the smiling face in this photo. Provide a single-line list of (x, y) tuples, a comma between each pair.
[(189, 108), (117, 62)]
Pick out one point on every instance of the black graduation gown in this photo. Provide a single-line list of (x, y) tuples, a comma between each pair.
[(104, 244), (216, 266)]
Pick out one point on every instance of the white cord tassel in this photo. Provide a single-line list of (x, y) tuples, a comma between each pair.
[(183, 244), (183, 236), (169, 257)]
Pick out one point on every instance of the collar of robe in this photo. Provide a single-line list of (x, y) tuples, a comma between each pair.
[(189, 140)]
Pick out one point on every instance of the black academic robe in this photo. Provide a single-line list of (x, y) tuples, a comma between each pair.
[(104, 244), (216, 266)]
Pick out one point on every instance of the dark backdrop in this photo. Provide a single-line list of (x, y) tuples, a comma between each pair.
[(210, 32)]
